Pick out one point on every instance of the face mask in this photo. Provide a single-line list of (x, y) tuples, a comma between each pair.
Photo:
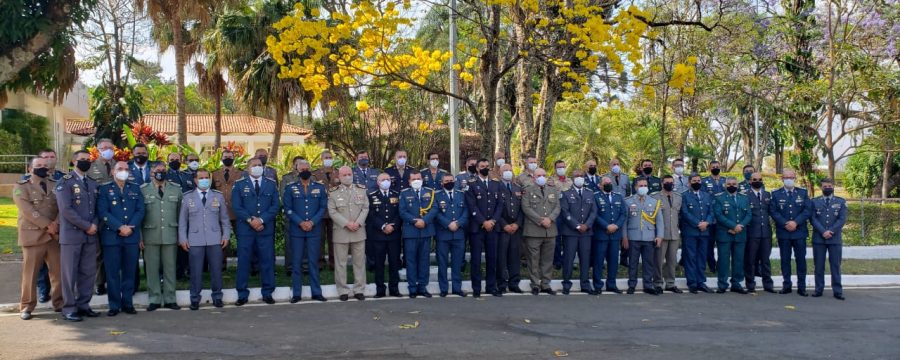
[(472, 169), (532, 166), (715, 171), (731, 189), (449, 185), (500, 162), (175, 165), (643, 190), (83, 165), (263, 159), (484, 171), (578, 182), (347, 180), (541, 181), (159, 176), (648, 170), (193, 165), (203, 184), (679, 170), (227, 161), (507, 175), (328, 162), (668, 186), (756, 184), (141, 159), (256, 171), (747, 176), (827, 191), (401, 161), (107, 154), (122, 175), (788, 183), (616, 169), (607, 187), (434, 163), (561, 171), (416, 184), (696, 186), (362, 162), (41, 172), (592, 170), (384, 184), (305, 174)]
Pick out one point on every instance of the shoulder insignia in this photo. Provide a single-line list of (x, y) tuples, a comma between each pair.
[(361, 186), (215, 191), (22, 182), (67, 176)]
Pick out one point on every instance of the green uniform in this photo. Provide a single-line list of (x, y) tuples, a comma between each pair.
[(160, 236), (731, 210)]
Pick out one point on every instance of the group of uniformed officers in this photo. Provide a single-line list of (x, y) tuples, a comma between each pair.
[(104, 212)]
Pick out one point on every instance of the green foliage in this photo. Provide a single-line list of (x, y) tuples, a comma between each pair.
[(114, 108), (9, 145), (33, 131), (862, 173), (310, 152)]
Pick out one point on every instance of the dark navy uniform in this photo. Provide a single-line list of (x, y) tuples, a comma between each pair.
[(182, 179), (483, 203), (463, 180), (305, 203), (577, 207), (759, 241), (384, 209), (432, 180), (117, 207), (509, 245), (696, 207), (451, 245), (367, 177), (592, 182), (712, 186), (417, 242), (829, 214), (399, 181), (76, 197), (252, 197), (140, 175), (605, 246), (794, 206)]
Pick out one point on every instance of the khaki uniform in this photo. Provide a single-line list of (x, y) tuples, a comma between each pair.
[(37, 211), (160, 234), (537, 203), (524, 179), (225, 185), (667, 252), (563, 185), (348, 204)]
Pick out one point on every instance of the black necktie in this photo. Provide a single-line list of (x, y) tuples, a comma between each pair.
[(226, 175), (579, 193), (759, 196), (451, 196), (827, 200), (44, 187), (542, 191), (107, 168), (160, 191), (508, 187), (204, 197), (670, 199), (256, 186)]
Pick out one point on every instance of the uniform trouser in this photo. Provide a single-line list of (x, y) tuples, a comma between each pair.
[(798, 246), (666, 261), (305, 248), (608, 251), (213, 255), (834, 261), (264, 246), (43, 281), (643, 251), (558, 247), (508, 259), (391, 250), (158, 257), (327, 231), (416, 251), (731, 263), (694, 256), (756, 262), (710, 248), (33, 259), (483, 242), (540, 261), (100, 278), (581, 245), (358, 251), (77, 269), (450, 252), (182, 263), (120, 262)]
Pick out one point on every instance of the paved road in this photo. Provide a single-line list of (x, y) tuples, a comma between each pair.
[(866, 326)]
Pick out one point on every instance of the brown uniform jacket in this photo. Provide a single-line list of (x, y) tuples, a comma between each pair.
[(37, 210), (223, 186)]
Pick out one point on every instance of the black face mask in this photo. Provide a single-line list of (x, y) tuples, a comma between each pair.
[(715, 171), (648, 170), (305, 174), (263, 160), (668, 186), (140, 159), (827, 191), (362, 162), (159, 176), (41, 172), (83, 165), (472, 169), (484, 171), (747, 176), (731, 189), (696, 186), (227, 161), (449, 185), (756, 184), (592, 170), (607, 187), (175, 165)]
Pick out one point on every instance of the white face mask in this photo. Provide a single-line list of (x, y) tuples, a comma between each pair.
[(789, 183), (193, 165), (541, 181), (679, 170), (122, 175), (401, 161), (507, 175), (616, 169), (384, 184), (434, 163), (561, 171), (347, 180), (256, 171), (107, 154), (578, 182), (532, 166), (643, 190), (416, 184), (328, 162), (500, 162)]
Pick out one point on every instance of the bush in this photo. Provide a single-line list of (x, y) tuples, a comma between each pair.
[(32, 130), (10, 143)]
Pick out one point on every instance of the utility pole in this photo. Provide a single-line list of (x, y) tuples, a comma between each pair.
[(454, 120)]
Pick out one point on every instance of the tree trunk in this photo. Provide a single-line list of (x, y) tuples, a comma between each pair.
[(523, 115), (546, 107), (180, 104), (886, 175), (217, 143), (280, 112), (662, 130), (13, 60)]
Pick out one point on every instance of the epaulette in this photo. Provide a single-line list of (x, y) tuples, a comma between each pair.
[(189, 191), (361, 186), (336, 188), (214, 190), (22, 182), (67, 176), (144, 185), (374, 192)]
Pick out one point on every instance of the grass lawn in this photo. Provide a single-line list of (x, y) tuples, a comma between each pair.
[(8, 232)]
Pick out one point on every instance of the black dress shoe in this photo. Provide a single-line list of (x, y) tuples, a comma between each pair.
[(443, 294), (535, 291), (362, 297), (769, 290), (379, 295), (565, 291), (651, 292), (395, 293), (319, 298), (268, 300), (548, 291), (802, 293), (112, 313), (497, 293), (616, 290), (705, 289), (693, 290), (720, 291), (515, 289), (839, 297), (476, 294), (345, 297), (739, 290), (589, 292), (411, 296), (73, 317), (240, 302), (425, 294), (751, 290), (674, 289), (295, 299), (88, 313), (460, 293), (101, 290), (218, 303), (785, 291), (44, 298), (57, 310), (630, 291), (174, 306), (153, 307), (130, 310), (817, 294), (195, 305)]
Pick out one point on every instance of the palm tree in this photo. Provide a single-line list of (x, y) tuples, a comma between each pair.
[(212, 84)]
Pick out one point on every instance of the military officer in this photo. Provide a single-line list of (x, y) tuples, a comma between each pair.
[(174, 174), (363, 174), (644, 230), (714, 185), (383, 231), (577, 215), (451, 222), (679, 178), (43, 280), (510, 241), (203, 231), (732, 211), (485, 210), (120, 206), (418, 212), (255, 203), (162, 202), (193, 164), (348, 207), (790, 209), (667, 252), (468, 175), (499, 161), (287, 179), (400, 171), (38, 235), (759, 236), (562, 183), (100, 171), (607, 240), (185, 179), (76, 197), (620, 181), (268, 171), (432, 175), (223, 181), (540, 204), (327, 175), (592, 179), (744, 186), (653, 183), (696, 220), (138, 166), (305, 202), (527, 176), (828, 216)]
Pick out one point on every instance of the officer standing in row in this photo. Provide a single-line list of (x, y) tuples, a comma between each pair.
[(759, 237), (203, 232), (653, 183), (418, 212), (467, 176), (268, 171), (43, 280), (451, 223), (432, 175), (733, 216), (678, 178), (644, 230), (348, 207), (592, 179), (527, 176), (485, 209), (667, 252), (696, 227), (255, 203), (101, 170), (829, 214), (578, 212), (713, 185), (400, 172), (499, 161), (223, 181), (383, 231), (790, 210), (510, 241), (162, 203), (287, 179), (540, 204), (620, 181), (607, 239), (327, 175), (138, 166), (363, 174), (744, 186), (305, 203), (186, 182)]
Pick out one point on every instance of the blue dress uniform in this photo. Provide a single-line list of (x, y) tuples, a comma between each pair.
[(592, 182), (384, 209), (305, 203), (509, 245), (654, 184), (76, 197), (417, 242), (577, 207), (463, 180), (829, 214), (696, 206), (731, 210), (398, 181), (759, 241), (430, 180), (140, 176), (117, 207), (367, 177), (247, 201), (605, 246), (786, 206), (713, 186), (483, 203), (451, 245), (181, 178)]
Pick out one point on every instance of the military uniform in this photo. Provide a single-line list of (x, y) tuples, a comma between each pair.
[(76, 197), (537, 203), (43, 279), (384, 209), (605, 246), (268, 173), (731, 210), (100, 172), (463, 180), (696, 207), (255, 197), (794, 206), (829, 213), (223, 180), (366, 177), (203, 224), (524, 179), (451, 245), (305, 203), (399, 177), (577, 210), (509, 245), (713, 186), (160, 236), (759, 241), (563, 184), (667, 252), (185, 180), (432, 180), (643, 224), (483, 203), (117, 207), (348, 204), (682, 183), (417, 242), (37, 214), (654, 184), (621, 183), (328, 177), (140, 175)]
